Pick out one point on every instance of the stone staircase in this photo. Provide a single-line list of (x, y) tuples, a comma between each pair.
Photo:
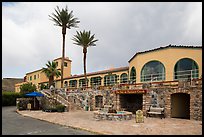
[(77, 103), (62, 100)]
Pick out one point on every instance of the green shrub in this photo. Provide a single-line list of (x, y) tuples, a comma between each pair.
[(57, 108), (27, 87), (43, 86), (9, 98), (60, 108)]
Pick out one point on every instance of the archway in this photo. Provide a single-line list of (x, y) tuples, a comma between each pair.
[(180, 105), (153, 71), (185, 68), (133, 75), (123, 78)]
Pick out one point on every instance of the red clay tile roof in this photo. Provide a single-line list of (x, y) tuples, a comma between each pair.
[(33, 71), (100, 72), (66, 58), (95, 73), (169, 46)]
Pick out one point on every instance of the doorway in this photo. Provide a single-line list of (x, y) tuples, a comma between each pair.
[(131, 102), (180, 105)]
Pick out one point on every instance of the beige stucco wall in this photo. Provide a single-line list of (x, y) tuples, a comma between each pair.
[(41, 77), (34, 81), (168, 57), (67, 70)]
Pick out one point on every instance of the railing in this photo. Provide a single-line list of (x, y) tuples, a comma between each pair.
[(61, 100), (187, 74), (153, 77), (158, 77), (55, 96), (46, 92)]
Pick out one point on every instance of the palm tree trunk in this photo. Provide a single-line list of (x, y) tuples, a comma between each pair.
[(51, 79), (62, 64), (85, 51), (50, 82)]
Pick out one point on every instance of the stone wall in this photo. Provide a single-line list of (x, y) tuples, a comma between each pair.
[(87, 99), (158, 96), (162, 98)]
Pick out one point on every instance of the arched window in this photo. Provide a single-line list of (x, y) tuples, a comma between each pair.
[(82, 82), (185, 69), (153, 71), (65, 84), (73, 83), (95, 81), (123, 78), (133, 75), (110, 79)]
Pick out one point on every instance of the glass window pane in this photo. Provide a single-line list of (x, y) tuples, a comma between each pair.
[(133, 75), (153, 71), (185, 69)]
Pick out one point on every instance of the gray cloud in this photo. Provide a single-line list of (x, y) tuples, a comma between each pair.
[(29, 38)]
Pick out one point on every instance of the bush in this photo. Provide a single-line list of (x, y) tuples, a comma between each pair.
[(57, 108), (9, 98), (43, 86), (49, 109), (60, 108), (27, 87)]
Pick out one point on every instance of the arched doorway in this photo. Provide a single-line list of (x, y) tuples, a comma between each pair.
[(180, 105)]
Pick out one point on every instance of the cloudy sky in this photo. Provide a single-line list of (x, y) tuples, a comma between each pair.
[(30, 39)]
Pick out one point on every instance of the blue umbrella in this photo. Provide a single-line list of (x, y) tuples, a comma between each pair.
[(34, 94)]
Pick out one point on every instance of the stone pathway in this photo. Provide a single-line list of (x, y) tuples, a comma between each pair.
[(151, 126)]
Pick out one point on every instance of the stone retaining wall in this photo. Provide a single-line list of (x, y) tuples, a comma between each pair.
[(112, 116), (162, 98), (159, 96)]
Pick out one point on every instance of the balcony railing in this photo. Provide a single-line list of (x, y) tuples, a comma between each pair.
[(150, 78), (186, 75)]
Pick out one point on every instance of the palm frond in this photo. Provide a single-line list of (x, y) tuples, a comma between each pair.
[(64, 18), (51, 69), (84, 39)]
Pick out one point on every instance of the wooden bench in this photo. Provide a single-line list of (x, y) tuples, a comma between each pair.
[(156, 111)]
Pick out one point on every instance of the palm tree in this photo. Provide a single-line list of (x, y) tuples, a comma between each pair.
[(85, 40), (64, 19), (51, 71)]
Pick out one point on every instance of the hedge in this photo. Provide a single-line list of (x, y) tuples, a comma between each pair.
[(56, 108), (9, 98)]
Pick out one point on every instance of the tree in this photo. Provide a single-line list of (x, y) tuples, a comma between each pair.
[(43, 86), (51, 71), (27, 87), (64, 19), (85, 40)]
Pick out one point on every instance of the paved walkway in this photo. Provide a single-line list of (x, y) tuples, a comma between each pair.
[(151, 126)]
